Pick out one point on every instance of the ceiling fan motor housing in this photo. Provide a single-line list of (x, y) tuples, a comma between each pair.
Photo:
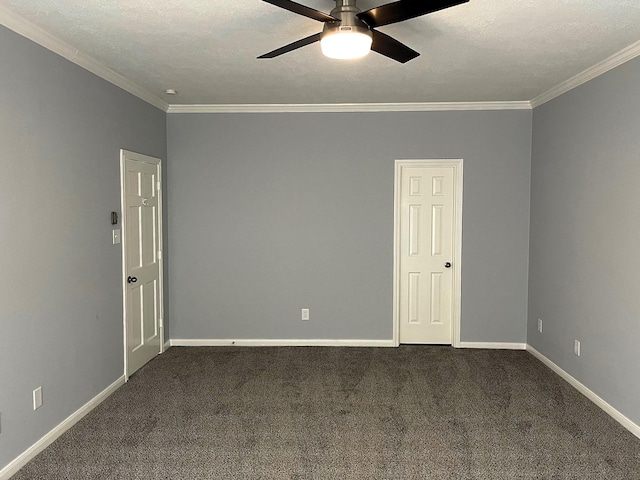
[(346, 11)]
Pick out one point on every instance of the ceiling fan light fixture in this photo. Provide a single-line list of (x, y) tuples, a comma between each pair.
[(346, 42)]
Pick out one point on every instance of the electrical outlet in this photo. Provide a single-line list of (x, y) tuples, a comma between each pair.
[(576, 347), (305, 314), (37, 398), (540, 325)]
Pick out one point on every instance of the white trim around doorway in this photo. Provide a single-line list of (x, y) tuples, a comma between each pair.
[(125, 154), (457, 165)]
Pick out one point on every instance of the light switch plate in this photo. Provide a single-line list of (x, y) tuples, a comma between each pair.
[(116, 236)]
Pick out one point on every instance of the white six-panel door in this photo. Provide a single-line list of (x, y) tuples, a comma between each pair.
[(142, 258), (427, 252)]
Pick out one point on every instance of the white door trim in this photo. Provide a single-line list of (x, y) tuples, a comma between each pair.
[(457, 165), (138, 157)]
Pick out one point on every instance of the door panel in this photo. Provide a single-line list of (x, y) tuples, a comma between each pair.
[(134, 317), (426, 244), (142, 242)]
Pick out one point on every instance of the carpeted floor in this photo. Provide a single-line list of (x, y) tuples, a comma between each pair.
[(342, 413)]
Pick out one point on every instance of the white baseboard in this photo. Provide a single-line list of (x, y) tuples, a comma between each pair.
[(177, 342), (65, 425), (615, 414), (166, 346), (494, 345), (208, 342)]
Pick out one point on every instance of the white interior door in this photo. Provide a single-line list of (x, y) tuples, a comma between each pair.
[(142, 259), (427, 254)]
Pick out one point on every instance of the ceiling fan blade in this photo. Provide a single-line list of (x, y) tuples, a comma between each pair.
[(392, 48), (293, 46), (302, 10), (404, 10)]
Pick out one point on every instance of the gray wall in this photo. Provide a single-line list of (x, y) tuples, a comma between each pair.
[(61, 129), (585, 235), (274, 212)]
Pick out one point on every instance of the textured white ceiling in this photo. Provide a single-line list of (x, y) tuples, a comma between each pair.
[(484, 50)]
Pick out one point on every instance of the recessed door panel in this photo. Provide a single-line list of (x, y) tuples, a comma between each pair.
[(436, 298), (414, 230), (148, 235), (414, 297), (134, 236), (415, 186), (436, 230), (147, 185), (136, 318), (133, 183), (150, 302), (437, 184)]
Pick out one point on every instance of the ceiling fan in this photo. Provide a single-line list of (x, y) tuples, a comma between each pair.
[(350, 33)]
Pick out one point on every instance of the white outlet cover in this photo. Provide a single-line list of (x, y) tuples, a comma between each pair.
[(37, 398)]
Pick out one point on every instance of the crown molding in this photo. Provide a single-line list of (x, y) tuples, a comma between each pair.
[(623, 56), (349, 107), (27, 29), (24, 27)]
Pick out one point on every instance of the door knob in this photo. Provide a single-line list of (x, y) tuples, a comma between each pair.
[(447, 265), (132, 279)]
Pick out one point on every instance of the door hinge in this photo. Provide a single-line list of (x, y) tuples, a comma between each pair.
[(158, 185), (159, 254)]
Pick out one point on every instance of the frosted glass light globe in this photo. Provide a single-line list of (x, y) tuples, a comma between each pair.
[(345, 44)]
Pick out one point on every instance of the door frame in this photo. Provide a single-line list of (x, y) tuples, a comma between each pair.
[(138, 157), (456, 294)]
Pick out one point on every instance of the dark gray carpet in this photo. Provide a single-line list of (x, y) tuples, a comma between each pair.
[(342, 413)]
